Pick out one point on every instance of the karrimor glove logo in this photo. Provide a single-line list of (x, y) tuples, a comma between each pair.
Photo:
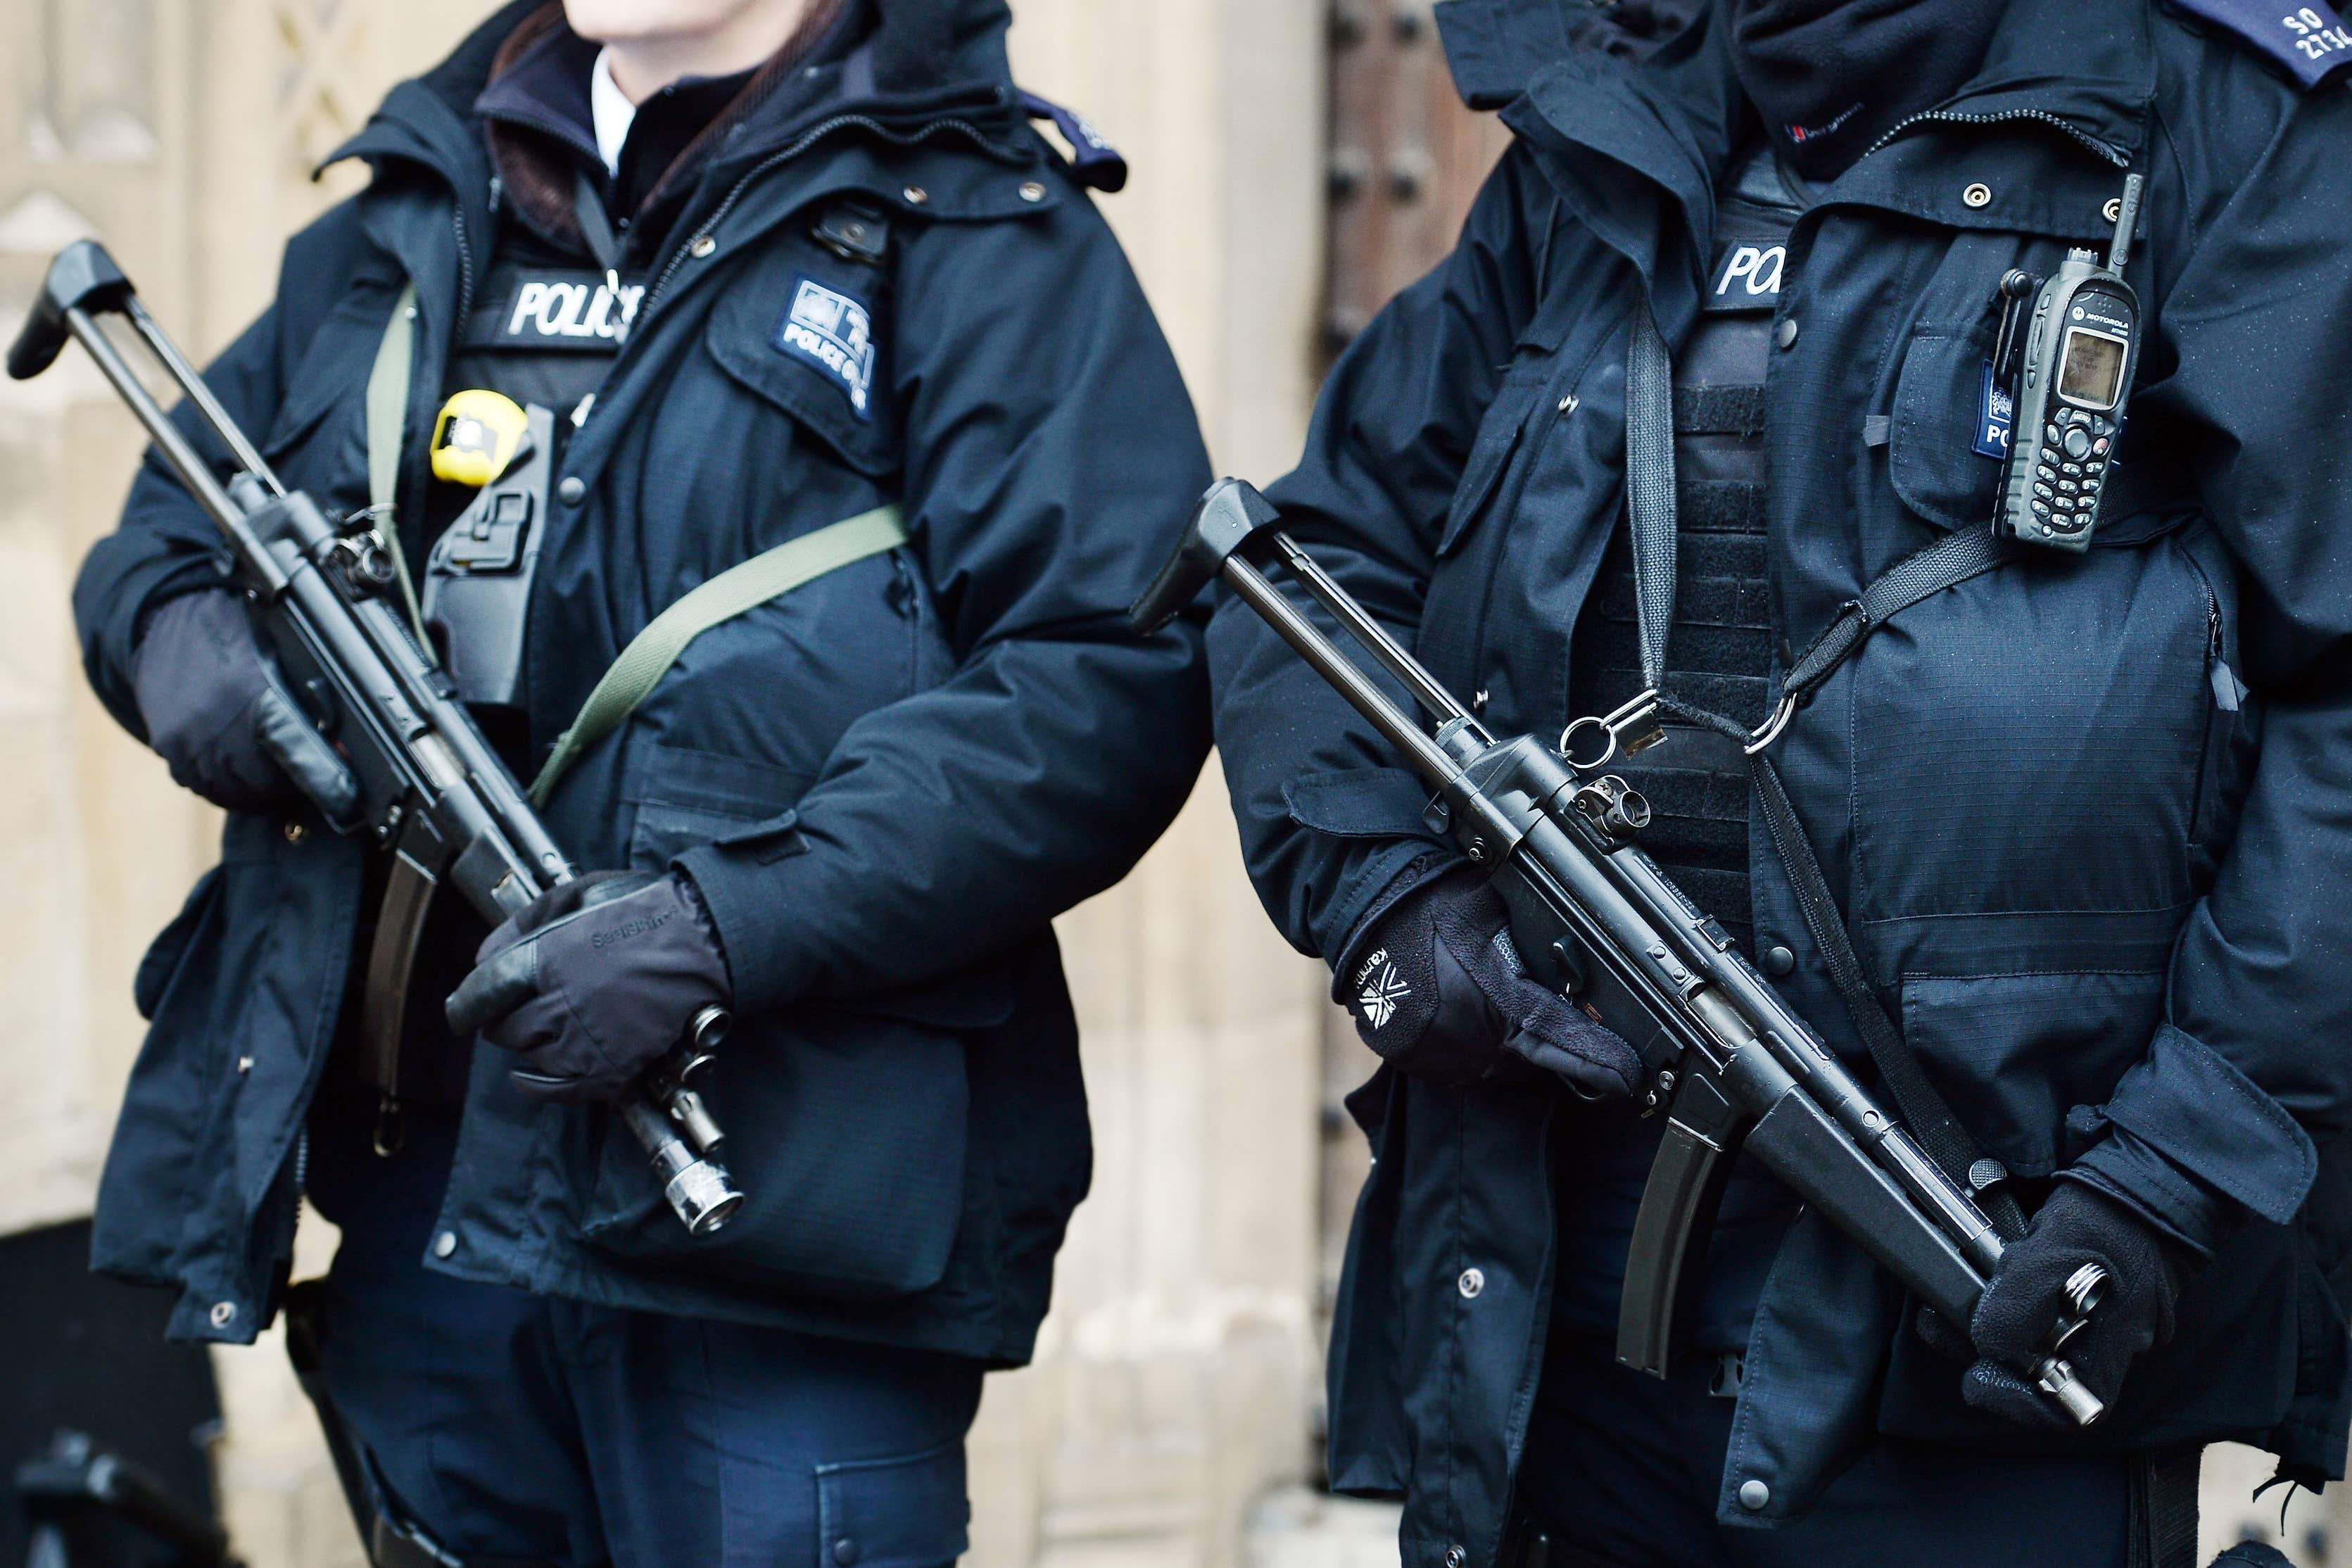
[(1378, 989), (834, 332)]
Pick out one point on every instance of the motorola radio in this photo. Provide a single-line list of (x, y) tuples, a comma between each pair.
[(2080, 345)]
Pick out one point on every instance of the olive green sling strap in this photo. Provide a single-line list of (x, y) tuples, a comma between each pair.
[(652, 652), (743, 587)]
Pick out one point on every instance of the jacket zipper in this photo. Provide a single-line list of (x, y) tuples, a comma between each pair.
[(464, 262), (801, 145), (1950, 116)]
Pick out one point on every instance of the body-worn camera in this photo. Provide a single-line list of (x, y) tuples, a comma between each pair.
[(2081, 344)]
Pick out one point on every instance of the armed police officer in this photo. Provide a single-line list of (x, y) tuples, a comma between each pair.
[(643, 298), (2050, 840)]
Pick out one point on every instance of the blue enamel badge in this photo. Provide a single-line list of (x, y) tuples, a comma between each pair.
[(1996, 409)]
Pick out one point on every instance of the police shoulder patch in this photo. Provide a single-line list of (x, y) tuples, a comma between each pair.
[(833, 332), (2311, 41)]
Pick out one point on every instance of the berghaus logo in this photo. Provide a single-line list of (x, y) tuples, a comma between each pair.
[(1803, 133)]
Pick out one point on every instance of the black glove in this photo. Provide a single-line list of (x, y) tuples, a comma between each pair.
[(1436, 989), (2009, 1333), (2252, 1555), (217, 713), (594, 980)]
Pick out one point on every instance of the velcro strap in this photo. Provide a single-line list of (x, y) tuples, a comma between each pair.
[(1719, 410)]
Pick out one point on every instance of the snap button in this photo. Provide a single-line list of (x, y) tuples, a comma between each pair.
[(1785, 334), (224, 1313), (1754, 1495), (1977, 195), (844, 1552), (444, 1244), (1031, 191), (244, 1064), (1568, 404), (1473, 1280), (1779, 961), (571, 491), (1456, 1556), (2114, 211), (915, 195), (294, 833), (703, 246)]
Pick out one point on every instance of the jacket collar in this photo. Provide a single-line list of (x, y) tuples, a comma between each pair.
[(2066, 85), (925, 71)]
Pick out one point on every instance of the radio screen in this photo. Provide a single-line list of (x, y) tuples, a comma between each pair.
[(2094, 370)]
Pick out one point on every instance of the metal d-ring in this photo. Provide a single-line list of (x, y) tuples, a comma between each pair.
[(1782, 714), (1611, 726)]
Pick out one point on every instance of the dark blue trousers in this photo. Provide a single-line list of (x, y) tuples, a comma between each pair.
[(1622, 1470), (516, 1427)]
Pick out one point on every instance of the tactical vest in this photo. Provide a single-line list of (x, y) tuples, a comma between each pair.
[(1720, 648)]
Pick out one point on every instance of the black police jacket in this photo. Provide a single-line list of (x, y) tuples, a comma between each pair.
[(886, 784), (2108, 898)]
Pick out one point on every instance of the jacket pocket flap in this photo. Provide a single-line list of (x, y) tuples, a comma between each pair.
[(907, 1513), (711, 781), (1935, 443), (745, 337), (1360, 802)]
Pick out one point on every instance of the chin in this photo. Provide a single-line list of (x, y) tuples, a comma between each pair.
[(620, 21)]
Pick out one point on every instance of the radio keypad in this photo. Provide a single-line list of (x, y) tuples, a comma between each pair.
[(2074, 461)]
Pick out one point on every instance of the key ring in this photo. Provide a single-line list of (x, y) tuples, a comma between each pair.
[(1613, 728)]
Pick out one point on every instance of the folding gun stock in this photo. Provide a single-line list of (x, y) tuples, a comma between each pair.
[(82, 278), (1228, 514)]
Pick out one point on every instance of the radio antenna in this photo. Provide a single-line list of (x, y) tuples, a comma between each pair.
[(2126, 215)]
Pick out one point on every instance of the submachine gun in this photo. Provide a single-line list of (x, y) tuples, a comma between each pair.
[(432, 791), (1592, 916)]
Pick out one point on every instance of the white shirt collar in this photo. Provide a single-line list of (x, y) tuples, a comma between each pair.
[(610, 110)]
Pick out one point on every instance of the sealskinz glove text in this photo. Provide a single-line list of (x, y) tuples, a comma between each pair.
[(594, 981), (219, 716), (1437, 990), (2079, 1225)]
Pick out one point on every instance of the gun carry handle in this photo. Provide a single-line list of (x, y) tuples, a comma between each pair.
[(83, 277), (1228, 514)]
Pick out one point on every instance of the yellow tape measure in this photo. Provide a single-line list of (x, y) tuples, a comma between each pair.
[(476, 436)]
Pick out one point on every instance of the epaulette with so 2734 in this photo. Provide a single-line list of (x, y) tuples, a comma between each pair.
[(2311, 41)]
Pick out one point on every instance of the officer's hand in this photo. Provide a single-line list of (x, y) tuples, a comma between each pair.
[(1437, 990), (594, 980), (218, 714), (2079, 1225)]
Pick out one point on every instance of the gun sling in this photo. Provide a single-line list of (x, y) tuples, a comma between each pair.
[(1956, 559)]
